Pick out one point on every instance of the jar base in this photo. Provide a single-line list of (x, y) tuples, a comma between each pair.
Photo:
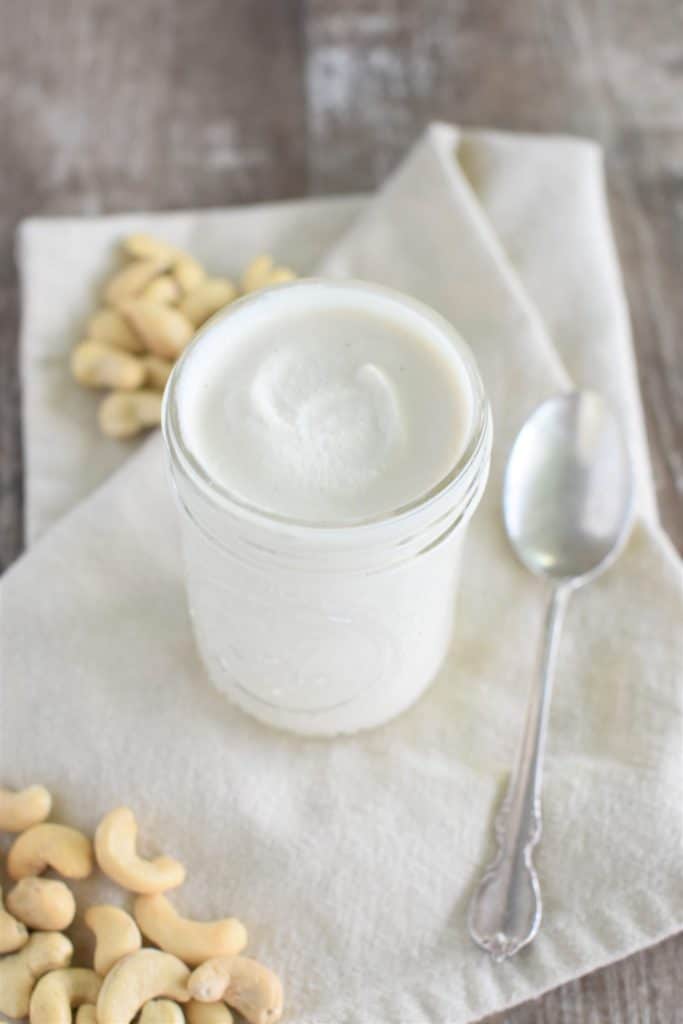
[(360, 715)]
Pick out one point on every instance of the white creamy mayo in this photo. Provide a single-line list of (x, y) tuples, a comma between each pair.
[(328, 443), (322, 409)]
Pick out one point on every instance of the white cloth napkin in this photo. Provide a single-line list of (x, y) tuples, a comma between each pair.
[(352, 861)]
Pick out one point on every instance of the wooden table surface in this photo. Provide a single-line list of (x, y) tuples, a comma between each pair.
[(108, 106)]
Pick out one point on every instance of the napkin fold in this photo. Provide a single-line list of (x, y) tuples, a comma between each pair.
[(352, 861)]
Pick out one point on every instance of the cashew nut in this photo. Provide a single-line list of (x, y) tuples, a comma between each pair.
[(192, 941), (117, 856), (95, 364), (123, 414), (64, 849), (161, 1011), (134, 277), (262, 272), (145, 247), (206, 1013), (281, 275), (135, 980), (42, 904), (59, 992), (116, 935), (164, 289), (86, 1014), (108, 325), (243, 983), (188, 272), (157, 371), (44, 951), (20, 810), (206, 299), (164, 330), (13, 934)]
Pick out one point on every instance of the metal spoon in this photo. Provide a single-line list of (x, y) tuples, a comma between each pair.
[(567, 506)]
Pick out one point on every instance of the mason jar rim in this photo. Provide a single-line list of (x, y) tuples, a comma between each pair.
[(474, 455)]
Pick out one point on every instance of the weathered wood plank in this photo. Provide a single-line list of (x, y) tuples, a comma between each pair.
[(11, 490)]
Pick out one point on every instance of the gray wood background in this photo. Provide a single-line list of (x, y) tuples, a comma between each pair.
[(107, 105)]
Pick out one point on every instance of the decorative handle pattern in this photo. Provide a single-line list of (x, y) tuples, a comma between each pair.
[(505, 913)]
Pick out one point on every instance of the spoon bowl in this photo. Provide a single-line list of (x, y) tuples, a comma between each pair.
[(568, 493)]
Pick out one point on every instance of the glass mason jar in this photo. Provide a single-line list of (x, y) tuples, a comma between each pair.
[(320, 628)]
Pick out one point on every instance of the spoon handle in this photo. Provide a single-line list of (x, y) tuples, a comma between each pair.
[(505, 912)]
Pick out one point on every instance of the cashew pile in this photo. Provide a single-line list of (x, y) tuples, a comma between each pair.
[(192, 972), (152, 308)]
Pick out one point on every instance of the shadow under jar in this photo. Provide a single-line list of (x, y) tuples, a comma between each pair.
[(328, 443)]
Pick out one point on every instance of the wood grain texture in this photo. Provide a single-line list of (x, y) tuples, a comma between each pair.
[(110, 106)]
